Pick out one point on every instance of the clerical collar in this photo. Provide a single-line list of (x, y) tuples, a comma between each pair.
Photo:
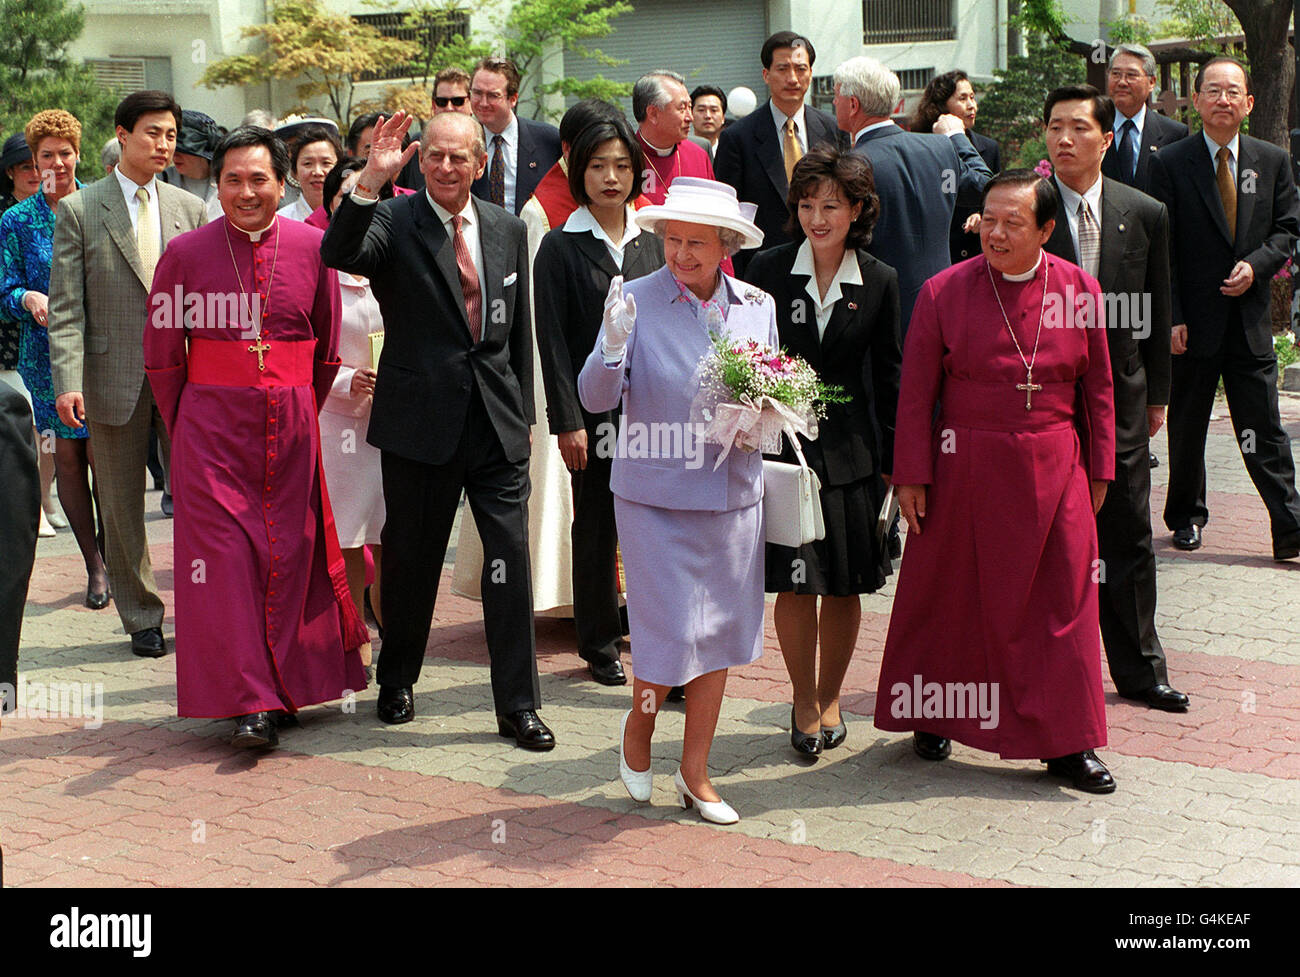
[(253, 236), (658, 151), (1025, 276)]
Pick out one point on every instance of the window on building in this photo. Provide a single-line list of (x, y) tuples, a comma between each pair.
[(430, 30), (915, 79), (122, 75), (907, 21)]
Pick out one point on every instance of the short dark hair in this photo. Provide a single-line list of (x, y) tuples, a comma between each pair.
[(334, 180), (934, 101), (309, 135), (785, 39), (246, 136), (1103, 109), (501, 66), (359, 125), (1222, 59), (584, 147), (852, 173), (582, 114), (137, 104), (710, 90), (1045, 199)]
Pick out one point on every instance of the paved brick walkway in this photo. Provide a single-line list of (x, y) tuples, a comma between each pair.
[(1209, 798)]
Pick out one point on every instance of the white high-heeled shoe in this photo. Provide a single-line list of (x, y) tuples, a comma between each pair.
[(638, 782), (719, 812), (44, 529)]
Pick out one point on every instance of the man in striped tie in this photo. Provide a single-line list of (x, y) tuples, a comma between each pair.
[(1120, 237), (453, 402)]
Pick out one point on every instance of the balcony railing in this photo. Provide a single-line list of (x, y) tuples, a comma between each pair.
[(907, 21)]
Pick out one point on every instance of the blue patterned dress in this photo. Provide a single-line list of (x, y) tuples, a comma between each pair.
[(26, 253)]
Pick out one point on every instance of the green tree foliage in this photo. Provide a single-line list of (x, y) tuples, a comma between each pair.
[(1011, 110), (36, 73), (326, 52)]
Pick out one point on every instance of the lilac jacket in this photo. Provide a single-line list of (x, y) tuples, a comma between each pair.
[(656, 382)]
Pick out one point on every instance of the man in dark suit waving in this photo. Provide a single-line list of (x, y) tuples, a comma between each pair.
[(756, 154), (1234, 217), (453, 402), (519, 151), (1120, 236), (1140, 131)]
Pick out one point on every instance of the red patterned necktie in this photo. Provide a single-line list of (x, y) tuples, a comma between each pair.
[(468, 281)]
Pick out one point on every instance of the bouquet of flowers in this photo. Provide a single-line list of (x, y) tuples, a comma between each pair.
[(750, 393)]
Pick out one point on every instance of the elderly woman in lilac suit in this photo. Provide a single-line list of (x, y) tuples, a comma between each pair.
[(691, 537)]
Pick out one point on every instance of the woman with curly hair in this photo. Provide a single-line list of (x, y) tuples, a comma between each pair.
[(26, 252)]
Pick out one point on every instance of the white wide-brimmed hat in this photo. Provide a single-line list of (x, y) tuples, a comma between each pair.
[(699, 201)]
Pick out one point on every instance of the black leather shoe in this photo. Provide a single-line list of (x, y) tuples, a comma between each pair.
[(1155, 462), (833, 736), (166, 505), (396, 704), (148, 643), (608, 672), (1085, 770), (255, 730), (676, 694), (895, 545), (931, 747), (1188, 538), (527, 728), (96, 601), (1286, 548), (1164, 697), (805, 744)]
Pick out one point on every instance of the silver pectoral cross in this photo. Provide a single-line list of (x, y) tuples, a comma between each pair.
[(1029, 387)]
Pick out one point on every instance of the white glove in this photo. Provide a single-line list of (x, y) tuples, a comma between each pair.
[(618, 320)]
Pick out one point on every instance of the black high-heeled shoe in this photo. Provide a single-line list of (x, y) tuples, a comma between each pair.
[(97, 601), (833, 736), (807, 744)]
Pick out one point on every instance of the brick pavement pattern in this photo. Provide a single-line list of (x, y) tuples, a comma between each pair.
[(1210, 798)]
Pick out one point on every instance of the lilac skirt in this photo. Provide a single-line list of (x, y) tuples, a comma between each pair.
[(694, 589)]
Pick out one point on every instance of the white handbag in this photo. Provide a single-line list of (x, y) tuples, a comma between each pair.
[(792, 503)]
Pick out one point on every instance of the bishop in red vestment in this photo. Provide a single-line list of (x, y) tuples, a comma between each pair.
[(241, 349), (994, 638)]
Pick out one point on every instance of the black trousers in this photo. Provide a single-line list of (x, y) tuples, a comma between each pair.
[(421, 501), (1250, 383), (595, 550), (20, 490), (1128, 589)]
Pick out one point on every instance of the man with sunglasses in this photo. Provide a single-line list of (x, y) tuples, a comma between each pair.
[(451, 91), (520, 151)]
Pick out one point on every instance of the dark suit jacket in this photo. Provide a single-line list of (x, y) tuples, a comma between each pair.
[(21, 489), (861, 351), (539, 148), (429, 365), (572, 273), (920, 178), (1134, 263), (1202, 254), (1158, 131), (751, 158), (960, 244)]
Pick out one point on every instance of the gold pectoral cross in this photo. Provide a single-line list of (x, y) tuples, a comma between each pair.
[(1028, 387), (259, 348)]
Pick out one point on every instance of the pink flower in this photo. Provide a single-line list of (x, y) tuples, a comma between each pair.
[(1044, 169)]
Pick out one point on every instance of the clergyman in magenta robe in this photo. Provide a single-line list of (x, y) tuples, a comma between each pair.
[(264, 623), (994, 639)]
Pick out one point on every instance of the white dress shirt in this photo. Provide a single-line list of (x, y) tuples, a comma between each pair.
[(129, 187), (509, 156), (1070, 204), (582, 219), (1232, 154), (848, 273), (800, 133), (298, 210)]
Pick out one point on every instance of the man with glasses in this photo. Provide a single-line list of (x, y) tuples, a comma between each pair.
[(1140, 132), (520, 151), (1234, 218)]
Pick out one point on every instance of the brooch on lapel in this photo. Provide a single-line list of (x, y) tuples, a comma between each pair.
[(532, 164), (1121, 227), (853, 306), (753, 295)]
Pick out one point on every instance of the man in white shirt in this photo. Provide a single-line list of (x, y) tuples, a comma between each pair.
[(1140, 132), (519, 151), (107, 240)]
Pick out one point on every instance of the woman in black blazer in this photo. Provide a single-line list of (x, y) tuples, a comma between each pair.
[(571, 276), (952, 93), (838, 308)]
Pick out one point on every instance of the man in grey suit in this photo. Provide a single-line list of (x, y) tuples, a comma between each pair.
[(107, 240), (1120, 236), (920, 176)]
